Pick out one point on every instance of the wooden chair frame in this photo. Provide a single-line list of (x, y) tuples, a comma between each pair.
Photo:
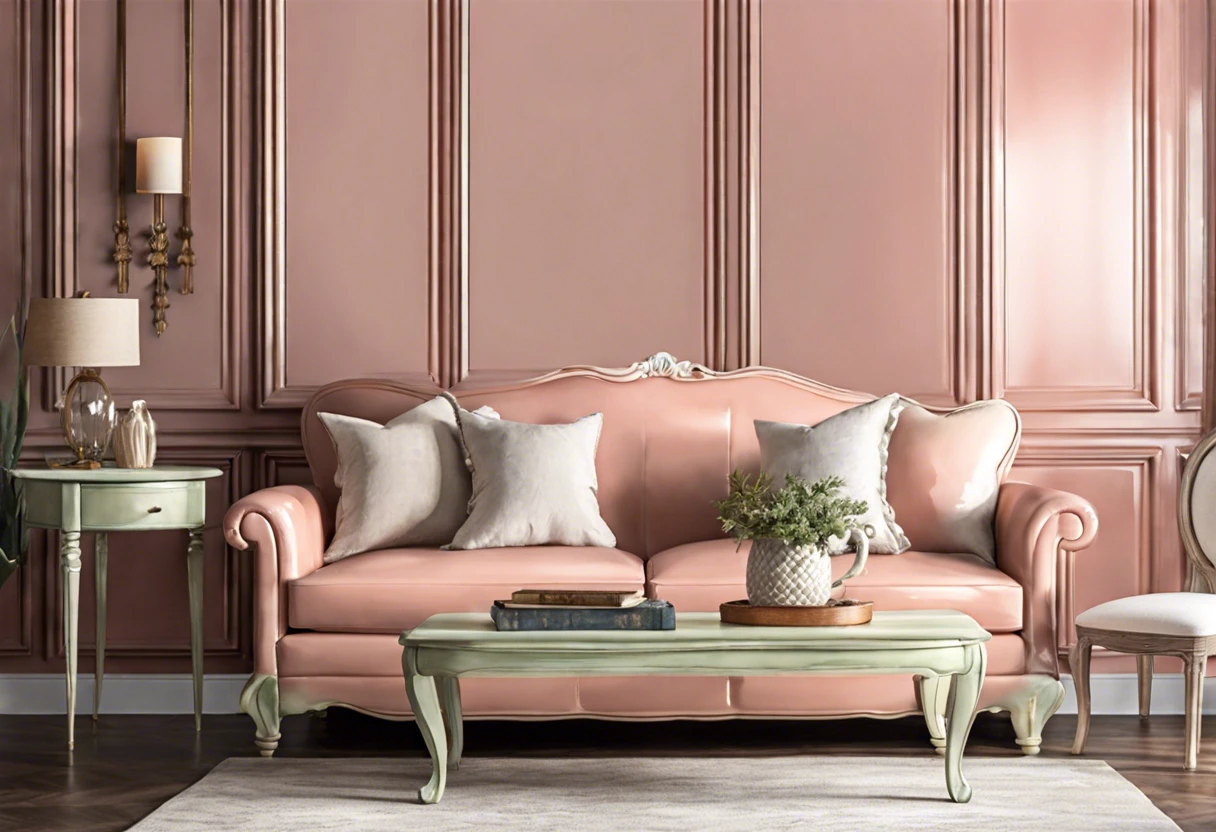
[(1194, 651)]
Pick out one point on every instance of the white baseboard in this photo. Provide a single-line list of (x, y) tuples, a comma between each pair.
[(123, 693), (143, 693), (1116, 694)]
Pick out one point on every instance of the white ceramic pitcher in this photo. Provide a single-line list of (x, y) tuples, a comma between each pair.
[(783, 575)]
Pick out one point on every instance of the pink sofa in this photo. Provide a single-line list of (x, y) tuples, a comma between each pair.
[(327, 635)]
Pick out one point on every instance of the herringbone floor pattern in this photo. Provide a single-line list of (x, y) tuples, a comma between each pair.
[(126, 766)]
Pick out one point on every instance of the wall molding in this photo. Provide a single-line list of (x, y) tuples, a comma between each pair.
[(1144, 394), (275, 391), (968, 223), (63, 238), (1147, 461)]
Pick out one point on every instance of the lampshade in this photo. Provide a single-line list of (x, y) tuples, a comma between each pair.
[(158, 165), (82, 332)]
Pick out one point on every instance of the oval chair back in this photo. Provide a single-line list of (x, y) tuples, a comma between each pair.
[(1197, 515)]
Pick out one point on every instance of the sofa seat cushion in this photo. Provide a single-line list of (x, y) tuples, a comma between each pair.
[(397, 589), (700, 576)]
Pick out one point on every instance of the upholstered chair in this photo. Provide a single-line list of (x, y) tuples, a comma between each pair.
[(1181, 624)]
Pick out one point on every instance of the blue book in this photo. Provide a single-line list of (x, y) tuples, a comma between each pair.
[(648, 615)]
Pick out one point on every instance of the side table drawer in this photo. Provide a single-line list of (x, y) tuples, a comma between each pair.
[(174, 505)]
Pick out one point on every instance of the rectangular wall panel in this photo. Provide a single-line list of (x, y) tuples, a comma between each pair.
[(200, 327), (1120, 484), (586, 183), (11, 159), (357, 158), (949, 198), (1071, 313), (858, 283)]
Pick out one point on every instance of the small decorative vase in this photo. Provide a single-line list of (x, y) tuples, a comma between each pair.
[(135, 438), (783, 575)]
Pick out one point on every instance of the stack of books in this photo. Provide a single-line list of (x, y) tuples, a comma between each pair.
[(582, 609)]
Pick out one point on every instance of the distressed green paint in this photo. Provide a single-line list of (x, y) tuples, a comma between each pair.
[(928, 643), (260, 699), (117, 499)]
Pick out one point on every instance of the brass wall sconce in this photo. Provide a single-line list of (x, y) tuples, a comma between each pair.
[(158, 171)]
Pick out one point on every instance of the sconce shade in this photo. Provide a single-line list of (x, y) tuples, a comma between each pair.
[(158, 165), (82, 332)]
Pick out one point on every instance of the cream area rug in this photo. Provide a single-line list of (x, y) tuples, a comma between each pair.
[(668, 793)]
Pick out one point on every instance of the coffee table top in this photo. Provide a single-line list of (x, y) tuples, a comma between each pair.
[(904, 629)]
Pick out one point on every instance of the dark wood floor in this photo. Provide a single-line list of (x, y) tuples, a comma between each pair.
[(126, 766)]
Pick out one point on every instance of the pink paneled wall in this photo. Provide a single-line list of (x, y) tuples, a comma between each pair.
[(950, 198)]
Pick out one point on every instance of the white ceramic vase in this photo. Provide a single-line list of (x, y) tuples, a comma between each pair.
[(782, 575), (135, 437)]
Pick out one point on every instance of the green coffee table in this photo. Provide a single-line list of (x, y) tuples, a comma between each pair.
[(925, 643)]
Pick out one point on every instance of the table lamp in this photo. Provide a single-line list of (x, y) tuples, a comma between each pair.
[(86, 333)]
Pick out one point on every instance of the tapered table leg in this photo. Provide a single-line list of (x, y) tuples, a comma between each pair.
[(424, 699), (1144, 683), (194, 569), (69, 556), (1078, 663), (932, 691), (964, 696), (1195, 668), (101, 555), (449, 693)]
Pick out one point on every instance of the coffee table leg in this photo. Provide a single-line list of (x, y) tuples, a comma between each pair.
[(964, 696), (449, 692), (424, 699)]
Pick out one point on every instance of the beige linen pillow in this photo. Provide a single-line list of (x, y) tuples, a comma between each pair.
[(945, 474), (403, 484), (851, 445), (532, 484)]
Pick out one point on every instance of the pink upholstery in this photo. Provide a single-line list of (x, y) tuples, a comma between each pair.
[(935, 462), (700, 576), (665, 452), (397, 589), (667, 448), (365, 671), (288, 525), (1033, 524)]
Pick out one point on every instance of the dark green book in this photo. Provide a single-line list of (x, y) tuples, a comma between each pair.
[(648, 615)]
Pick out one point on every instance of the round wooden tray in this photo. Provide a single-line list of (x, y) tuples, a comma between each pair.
[(836, 615)]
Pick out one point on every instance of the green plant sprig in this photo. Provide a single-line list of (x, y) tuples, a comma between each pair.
[(798, 513)]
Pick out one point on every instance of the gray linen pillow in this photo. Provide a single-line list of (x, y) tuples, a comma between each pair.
[(532, 484), (403, 484), (851, 445)]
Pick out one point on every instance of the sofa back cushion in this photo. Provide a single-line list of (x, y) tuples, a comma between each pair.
[(667, 447), (944, 473)]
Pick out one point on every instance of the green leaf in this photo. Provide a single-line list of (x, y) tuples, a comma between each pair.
[(799, 513)]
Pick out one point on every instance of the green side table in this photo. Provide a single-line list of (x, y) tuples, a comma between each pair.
[(118, 500)]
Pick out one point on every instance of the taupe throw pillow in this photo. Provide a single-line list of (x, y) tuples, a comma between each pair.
[(403, 484), (532, 484), (851, 445)]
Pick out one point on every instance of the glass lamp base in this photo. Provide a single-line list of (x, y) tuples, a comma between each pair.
[(88, 418)]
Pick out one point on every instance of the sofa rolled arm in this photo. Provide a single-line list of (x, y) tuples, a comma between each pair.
[(287, 526), (1033, 525)]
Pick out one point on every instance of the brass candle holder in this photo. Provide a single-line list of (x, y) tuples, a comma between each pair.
[(158, 259), (158, 171)]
